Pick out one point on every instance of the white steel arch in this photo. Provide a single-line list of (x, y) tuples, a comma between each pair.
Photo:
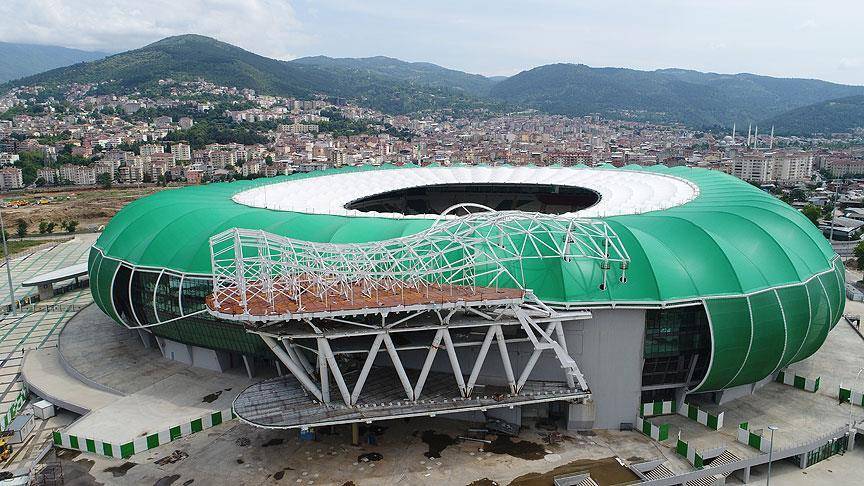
[(261, 276)]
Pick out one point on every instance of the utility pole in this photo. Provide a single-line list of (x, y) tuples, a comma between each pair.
[(8, 267), (772, 428)]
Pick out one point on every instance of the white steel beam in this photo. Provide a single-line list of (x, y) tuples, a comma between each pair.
[(298, 352), (454, 361), (427, 365), (505, 358), (559, 333), (532, 360), (397, 363), (481, 358), (323, 374), (367, 365), (337, 373), (297, 371)]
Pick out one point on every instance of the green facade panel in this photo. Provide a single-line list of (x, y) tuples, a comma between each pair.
[(731, 335)]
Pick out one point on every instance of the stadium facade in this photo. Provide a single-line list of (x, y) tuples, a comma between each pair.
[(598, 288)]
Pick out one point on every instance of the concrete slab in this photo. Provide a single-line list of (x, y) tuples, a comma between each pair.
[(179, 398), (122, 363), (45, 375)]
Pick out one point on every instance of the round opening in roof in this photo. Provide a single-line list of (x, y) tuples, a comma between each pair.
[(425, 192), (436, 198)]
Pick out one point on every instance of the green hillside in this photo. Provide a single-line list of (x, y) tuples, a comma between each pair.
[(833, 116), (19, 60), (690, 97), (422, 73), (188, 57)]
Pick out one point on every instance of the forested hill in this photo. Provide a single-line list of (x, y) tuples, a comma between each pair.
[(19, 60)]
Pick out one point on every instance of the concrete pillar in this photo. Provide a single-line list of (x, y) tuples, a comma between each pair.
[(145, 338), (46, 291), (278, 368), (580, 416), (744, 474), (249, 366), (355, 434), (512, 416)]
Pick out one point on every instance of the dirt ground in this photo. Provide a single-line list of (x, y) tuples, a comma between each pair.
[(91, 207)]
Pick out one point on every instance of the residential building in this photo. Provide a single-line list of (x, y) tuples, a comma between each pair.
[(79, 175), (47, 174), (181, 151), (10, 178)]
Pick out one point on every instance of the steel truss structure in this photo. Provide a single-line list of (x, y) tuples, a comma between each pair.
[(258, 276), (314, 305), (322, 352)]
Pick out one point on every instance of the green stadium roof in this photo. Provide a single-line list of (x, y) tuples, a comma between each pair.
[(771, 283)]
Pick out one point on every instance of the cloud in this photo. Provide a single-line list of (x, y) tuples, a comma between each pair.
[(850, 63), (268, 27), (809, 24)]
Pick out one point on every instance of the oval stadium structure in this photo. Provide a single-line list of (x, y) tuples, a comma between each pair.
[(599, 288)]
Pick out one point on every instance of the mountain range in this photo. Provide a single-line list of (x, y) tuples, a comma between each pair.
[(19, 60), (693, 98)]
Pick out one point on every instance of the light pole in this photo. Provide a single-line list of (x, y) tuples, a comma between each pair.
[(772, 428), (852, 402), (8, 269)]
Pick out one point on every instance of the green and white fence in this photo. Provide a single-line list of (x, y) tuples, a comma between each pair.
[(143, 443), (745, 436), (15, 408), (656, 432), (707, 419), (798, 381), (847, 395), (652, 409), (693, 457)]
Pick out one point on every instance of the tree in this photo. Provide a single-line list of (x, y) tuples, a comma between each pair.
[(46, 227), (69, 225), (104, 180), (859, 255), (21, 227), (812, 213)]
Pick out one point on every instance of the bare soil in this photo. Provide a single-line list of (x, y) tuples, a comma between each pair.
[(91, 207)]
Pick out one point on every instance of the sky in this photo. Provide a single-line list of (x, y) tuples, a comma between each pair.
[(787, 38)]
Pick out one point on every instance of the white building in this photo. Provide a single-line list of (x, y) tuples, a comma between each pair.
[(181, 152), (8, 159), (10, 178), (150, 149), (47, 174), (780, 166), (78, 175)]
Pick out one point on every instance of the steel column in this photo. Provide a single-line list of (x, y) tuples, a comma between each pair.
[(427, 365), (481, 358), (367, 365), (454, 361), (297, 371), (397, 363)]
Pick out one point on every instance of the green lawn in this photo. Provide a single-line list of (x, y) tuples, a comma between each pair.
[(17, 246)]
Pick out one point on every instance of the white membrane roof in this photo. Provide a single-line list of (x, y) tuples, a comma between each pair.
[(621, 191)]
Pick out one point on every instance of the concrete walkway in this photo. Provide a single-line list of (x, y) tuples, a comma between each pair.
[(121, 364), (46, 376), (124, 390)]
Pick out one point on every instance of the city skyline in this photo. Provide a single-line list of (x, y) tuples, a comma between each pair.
[(499, 39)]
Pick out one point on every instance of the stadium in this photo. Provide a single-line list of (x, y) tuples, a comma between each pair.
[(579, 291)]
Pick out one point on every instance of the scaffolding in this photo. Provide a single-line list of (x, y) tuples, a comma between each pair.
[(259, 276)]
